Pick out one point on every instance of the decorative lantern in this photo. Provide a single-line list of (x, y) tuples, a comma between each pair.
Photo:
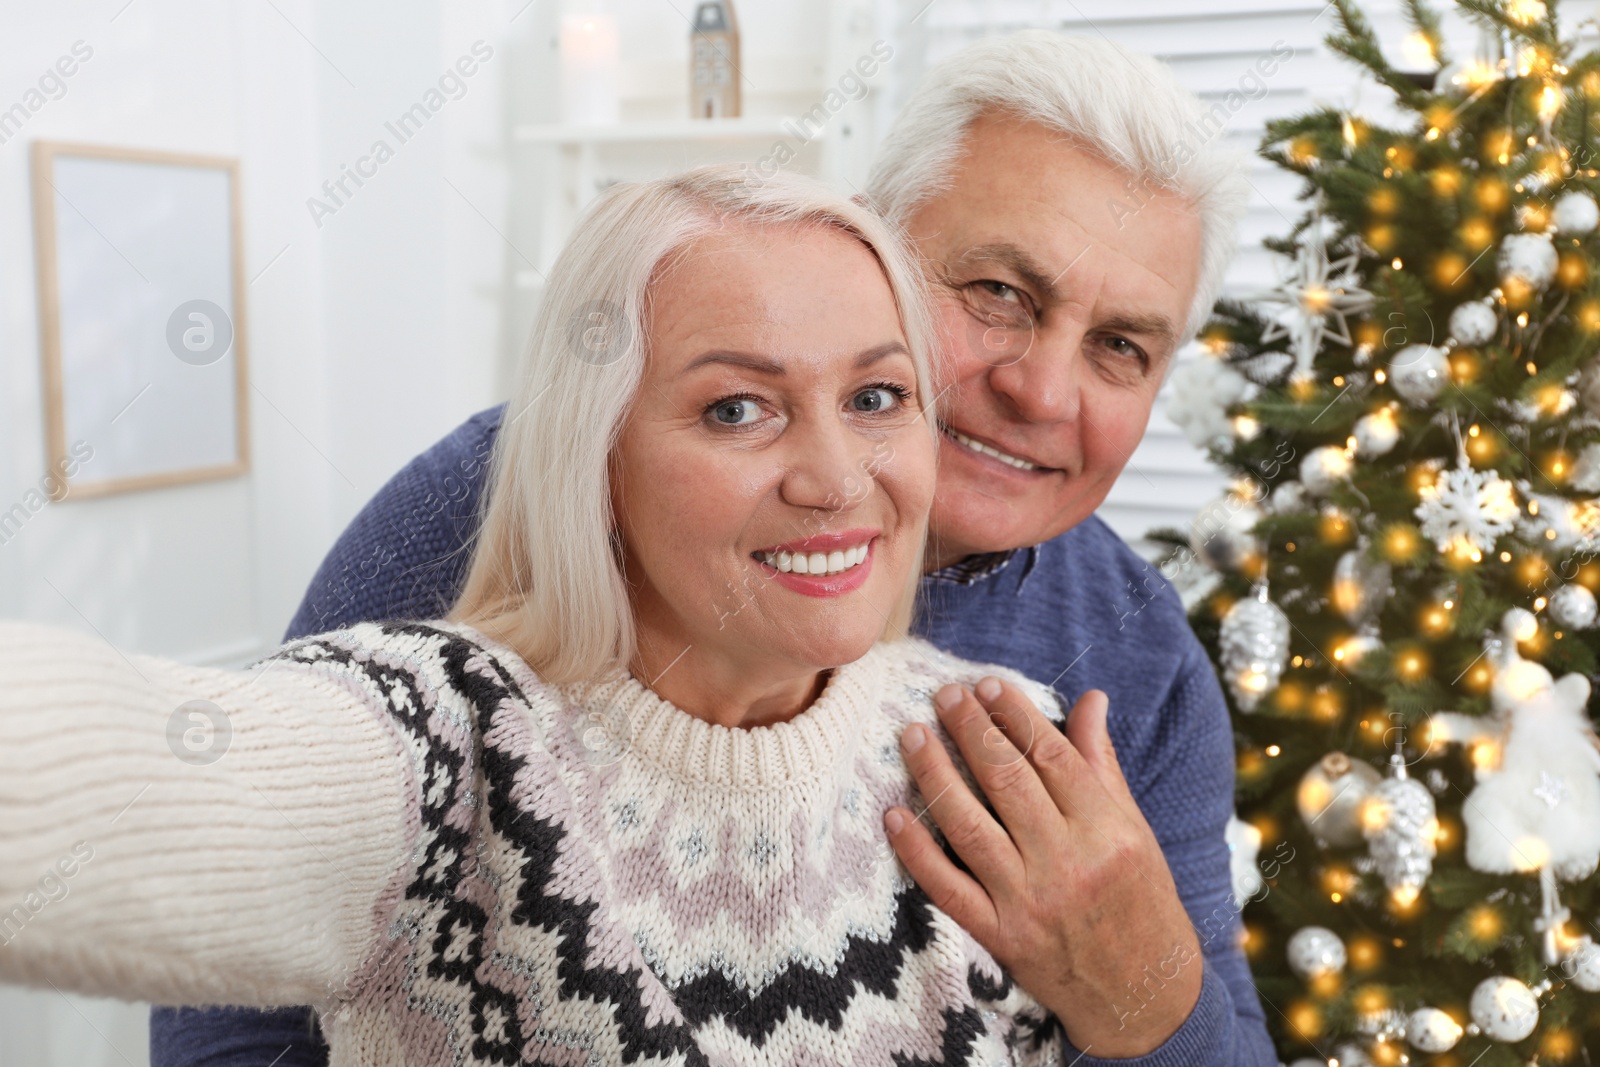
[(714, 61)]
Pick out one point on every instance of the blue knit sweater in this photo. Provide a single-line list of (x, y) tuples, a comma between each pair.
[(1081, 611)]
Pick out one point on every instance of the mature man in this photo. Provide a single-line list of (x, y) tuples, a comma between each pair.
[(1075, 232)]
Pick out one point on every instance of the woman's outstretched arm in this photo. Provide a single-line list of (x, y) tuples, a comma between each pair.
[(190, 835)]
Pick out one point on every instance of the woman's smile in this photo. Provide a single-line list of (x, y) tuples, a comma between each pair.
[(824, 565)]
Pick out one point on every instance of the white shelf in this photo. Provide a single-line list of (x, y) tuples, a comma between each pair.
[(740, 129)]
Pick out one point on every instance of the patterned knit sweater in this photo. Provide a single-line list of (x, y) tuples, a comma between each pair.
[(459, 864)]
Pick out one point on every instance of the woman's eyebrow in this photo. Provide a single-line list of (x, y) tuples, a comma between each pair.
[(746, 360), (877, 352), (769, 366)]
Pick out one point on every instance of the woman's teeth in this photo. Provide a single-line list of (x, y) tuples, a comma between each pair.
[(979, 446), (827, 563)]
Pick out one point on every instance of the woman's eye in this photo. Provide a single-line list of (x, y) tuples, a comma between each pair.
[(736, 411), (878, 398)]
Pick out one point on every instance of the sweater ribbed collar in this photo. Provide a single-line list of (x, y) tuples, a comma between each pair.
[(636, 723)]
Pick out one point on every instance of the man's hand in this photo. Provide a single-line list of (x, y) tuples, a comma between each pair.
[(1072, 894)]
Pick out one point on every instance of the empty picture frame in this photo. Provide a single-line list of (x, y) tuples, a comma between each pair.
[(141, 315)]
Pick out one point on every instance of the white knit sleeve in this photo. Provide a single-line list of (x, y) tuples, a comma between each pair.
[(190, 835)]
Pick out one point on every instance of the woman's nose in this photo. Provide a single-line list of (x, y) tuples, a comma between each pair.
[(829, 466)]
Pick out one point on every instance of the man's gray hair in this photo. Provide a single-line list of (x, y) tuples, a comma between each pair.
[(1123, 106)]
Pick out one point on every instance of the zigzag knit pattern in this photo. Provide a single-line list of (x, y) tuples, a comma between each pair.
[(602, 878)]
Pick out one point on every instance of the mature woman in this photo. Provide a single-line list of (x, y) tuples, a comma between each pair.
[(627, 803)]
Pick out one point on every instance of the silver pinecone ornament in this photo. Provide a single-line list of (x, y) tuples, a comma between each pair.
[(1399, 822), (1254, 644)]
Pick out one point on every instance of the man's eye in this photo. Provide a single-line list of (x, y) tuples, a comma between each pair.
[(1124, 347), (998, 305), (1000, 289), (735, 411), (877, 398)]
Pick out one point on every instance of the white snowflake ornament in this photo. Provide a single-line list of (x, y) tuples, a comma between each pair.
[(1466, 506)]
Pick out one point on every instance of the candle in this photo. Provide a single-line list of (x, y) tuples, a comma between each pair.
[(589, 69)]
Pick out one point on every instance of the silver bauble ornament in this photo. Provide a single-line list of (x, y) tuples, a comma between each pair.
[(1330, 796), (1584, 966), (1350, 1056), (1323, 468), (1399, 824), (1419, 373), (1431, 1030), (1576, 213), (1573, 607), (1504, 1008), (1474, 323), (1375, 434), (1315, 951), (1221, 535), (1360, 586), (1529, 258), (1254, 643), (1290, 497)]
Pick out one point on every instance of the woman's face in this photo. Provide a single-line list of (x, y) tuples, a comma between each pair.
[(773, 477)]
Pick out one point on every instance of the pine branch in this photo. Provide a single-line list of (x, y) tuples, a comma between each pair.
[(1360, 44), (1492, 13), (1426, 21)]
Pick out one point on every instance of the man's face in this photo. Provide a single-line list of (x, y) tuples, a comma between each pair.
[(1061, 301)]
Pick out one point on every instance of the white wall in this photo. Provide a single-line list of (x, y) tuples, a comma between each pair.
[(368, 338)]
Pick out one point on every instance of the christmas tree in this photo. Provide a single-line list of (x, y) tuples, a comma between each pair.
[(1399, 588)]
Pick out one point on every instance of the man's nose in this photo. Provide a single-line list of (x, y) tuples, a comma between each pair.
[(829, 465), (1044, 383)]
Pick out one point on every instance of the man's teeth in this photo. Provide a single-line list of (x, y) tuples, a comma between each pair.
[(979, 446), (828, 563)]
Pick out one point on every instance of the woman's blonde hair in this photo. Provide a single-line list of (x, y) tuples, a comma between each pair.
[(546, 574)]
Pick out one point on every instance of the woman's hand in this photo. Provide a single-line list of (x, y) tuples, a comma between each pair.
[(1071, 894)]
